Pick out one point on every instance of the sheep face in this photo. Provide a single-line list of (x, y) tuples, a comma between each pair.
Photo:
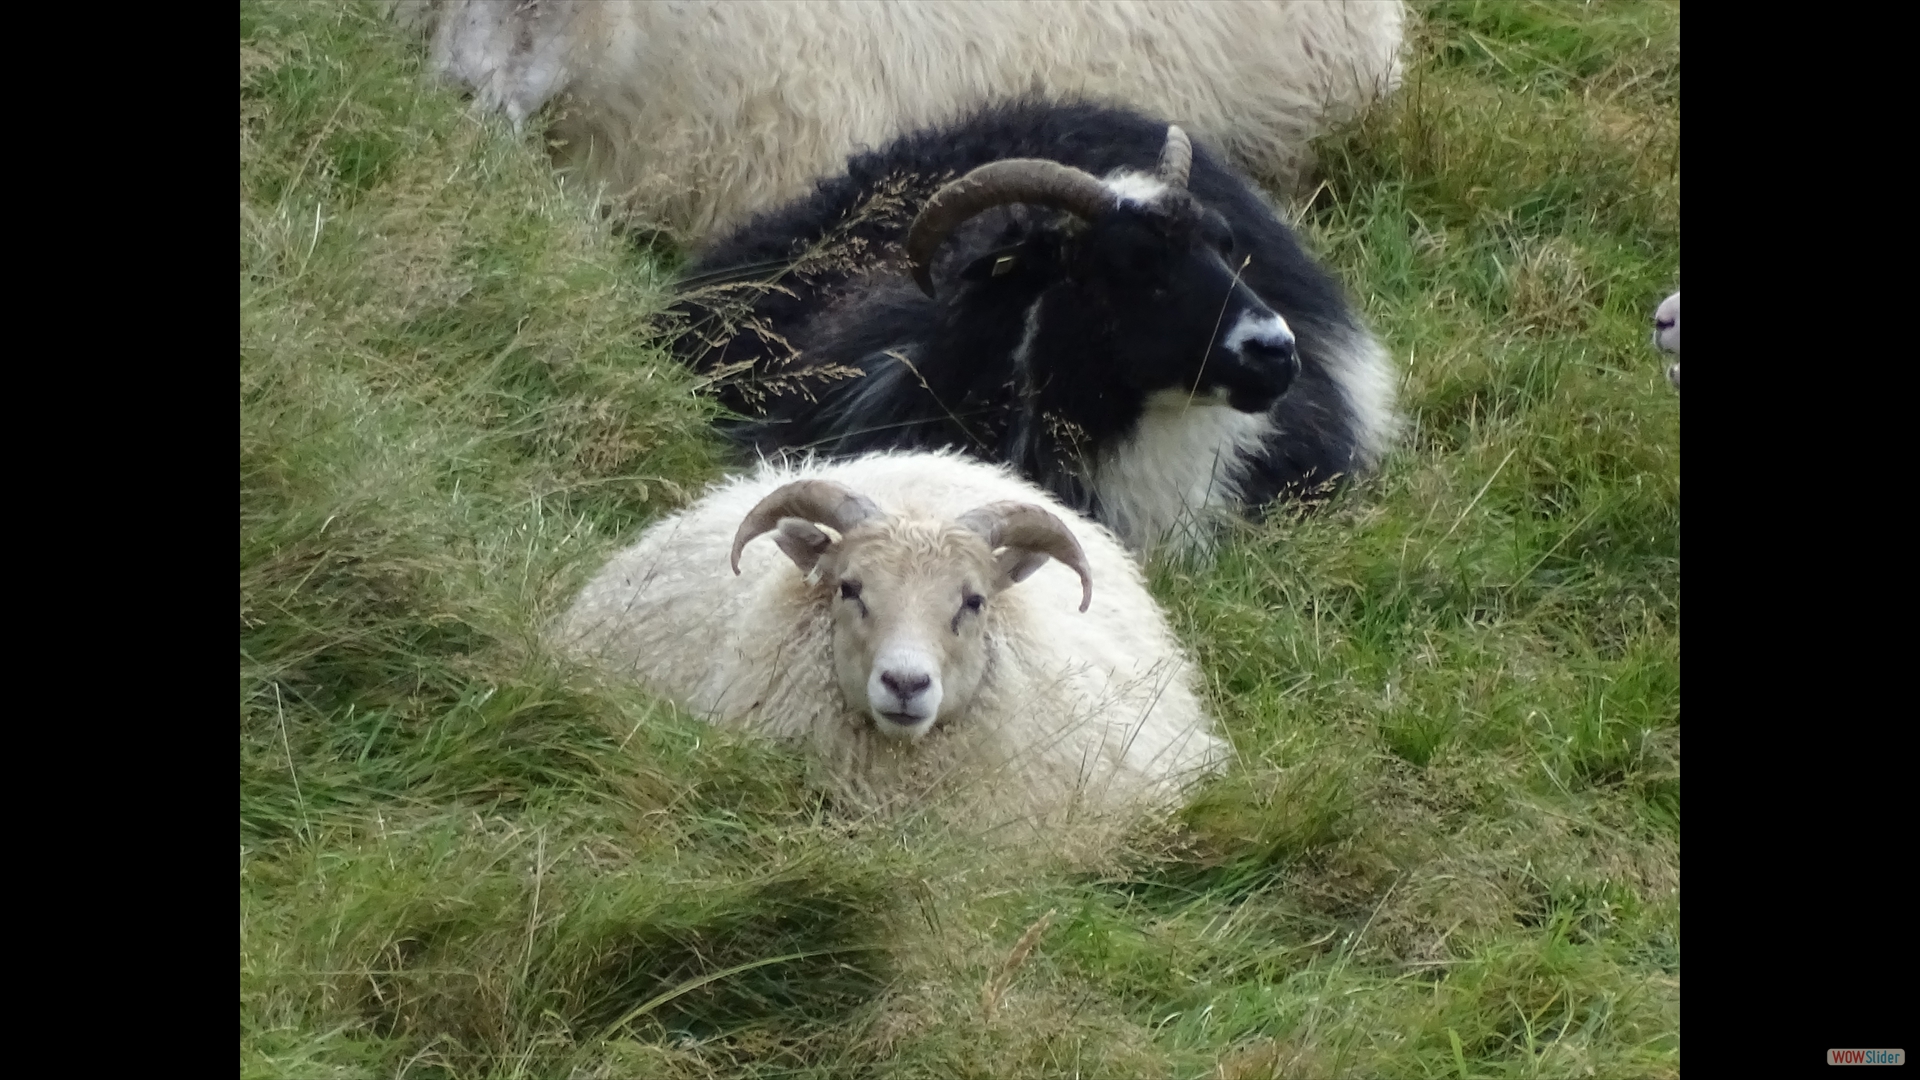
[(909, 596), (1153, 284), (909, 602), (1161, 277)]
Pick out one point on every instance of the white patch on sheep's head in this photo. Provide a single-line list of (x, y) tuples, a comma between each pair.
[(910, 597), (1137, 188)]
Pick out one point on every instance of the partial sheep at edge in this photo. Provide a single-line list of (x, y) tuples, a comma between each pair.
[(1666, 334), (693, 116)]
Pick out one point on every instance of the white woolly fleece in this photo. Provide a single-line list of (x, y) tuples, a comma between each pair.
[(1079, 714), (695, 115)]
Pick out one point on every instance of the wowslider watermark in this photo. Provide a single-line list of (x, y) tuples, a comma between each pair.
[(1866, 1057)]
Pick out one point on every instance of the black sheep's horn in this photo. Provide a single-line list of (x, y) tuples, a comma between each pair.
[(1176, 158), (1017, 180)]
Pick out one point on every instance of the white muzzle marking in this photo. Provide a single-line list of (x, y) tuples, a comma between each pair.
[(1269, 330)]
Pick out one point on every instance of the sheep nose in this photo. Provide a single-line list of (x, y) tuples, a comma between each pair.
[(1277, 352), (1273, 363), (905, 687), (1264, 343)]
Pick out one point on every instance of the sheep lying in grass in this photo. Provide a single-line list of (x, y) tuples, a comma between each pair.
[(695, 115), (1666, 334), (900, 650), (1080, 291)]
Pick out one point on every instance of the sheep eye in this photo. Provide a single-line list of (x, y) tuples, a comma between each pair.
[(968, 602), (849, 590)]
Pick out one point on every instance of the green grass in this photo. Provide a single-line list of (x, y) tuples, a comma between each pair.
[(1450, 845)]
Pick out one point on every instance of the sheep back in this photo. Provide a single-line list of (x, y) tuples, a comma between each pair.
[(695, 115)]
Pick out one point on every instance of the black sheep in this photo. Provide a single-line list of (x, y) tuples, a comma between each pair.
[(1104, 306)]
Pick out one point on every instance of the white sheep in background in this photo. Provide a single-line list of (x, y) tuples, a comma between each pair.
[(1666, 334), (695, 115), (901, 652)]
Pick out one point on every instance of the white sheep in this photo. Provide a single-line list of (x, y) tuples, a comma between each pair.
[(696, 115), (1666, 334), (900, 651)]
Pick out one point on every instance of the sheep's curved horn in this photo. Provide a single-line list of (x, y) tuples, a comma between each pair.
[(822, 501), (1027, 527), (1176, 158), (1016, 180)]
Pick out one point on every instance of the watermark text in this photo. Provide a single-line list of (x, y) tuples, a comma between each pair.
[(1866, 1057)]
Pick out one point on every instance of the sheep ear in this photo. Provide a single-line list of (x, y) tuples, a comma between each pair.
[(802, 541), (1017, 565)]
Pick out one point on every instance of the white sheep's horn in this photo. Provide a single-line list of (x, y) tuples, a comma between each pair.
[(1026, 527), (821, 501)]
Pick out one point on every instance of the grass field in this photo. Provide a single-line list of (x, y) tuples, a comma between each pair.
[(1450, 843)]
